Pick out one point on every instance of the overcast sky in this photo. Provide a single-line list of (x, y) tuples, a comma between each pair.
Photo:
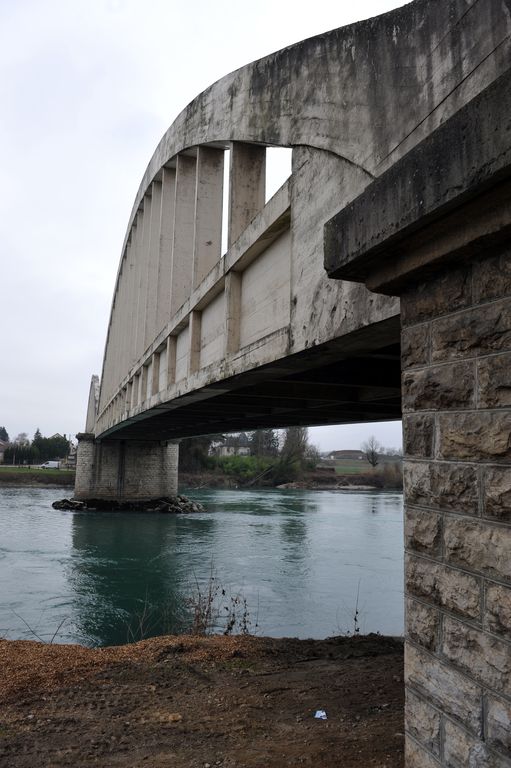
[(87, 89)]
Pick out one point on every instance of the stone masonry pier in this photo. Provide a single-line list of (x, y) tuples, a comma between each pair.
[(436, 230)]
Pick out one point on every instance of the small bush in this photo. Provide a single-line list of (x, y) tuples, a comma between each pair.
[(244, 467), (214, 611)]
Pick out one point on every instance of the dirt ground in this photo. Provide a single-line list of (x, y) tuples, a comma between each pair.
[(203, 702)]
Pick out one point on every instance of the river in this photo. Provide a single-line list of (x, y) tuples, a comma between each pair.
[(304, 561)]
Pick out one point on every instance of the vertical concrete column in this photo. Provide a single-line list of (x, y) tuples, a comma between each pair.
[(184, 226), (121, 320), (129, 388), (456, 354), (208, 212), (134, 391), (194, 339), (153, 263), (142, 385), (136, 251), (247, 186), (131, 255), (127, 279), (143, 262), (171, 359), (232, 312), (168, 196), (155, 385)]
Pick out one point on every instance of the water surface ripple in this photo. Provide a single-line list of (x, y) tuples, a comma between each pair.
[(299, 557)]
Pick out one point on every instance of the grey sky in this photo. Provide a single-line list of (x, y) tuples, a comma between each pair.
[(87, 89)]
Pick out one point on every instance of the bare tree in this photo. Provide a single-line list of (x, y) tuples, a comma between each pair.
[(371, 448)]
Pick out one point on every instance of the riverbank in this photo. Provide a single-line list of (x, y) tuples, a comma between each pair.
[(234, 702), (311, 481), (15, 477)]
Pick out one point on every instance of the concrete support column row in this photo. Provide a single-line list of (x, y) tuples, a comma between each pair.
[(174, 243)]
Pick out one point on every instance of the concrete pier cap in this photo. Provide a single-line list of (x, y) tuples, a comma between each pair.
[(435, 230)]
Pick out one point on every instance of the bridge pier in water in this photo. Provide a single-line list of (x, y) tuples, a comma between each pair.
[(436, 230), (125, 470)]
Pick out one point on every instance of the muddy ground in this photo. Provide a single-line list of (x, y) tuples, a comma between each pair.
[(217, 701)]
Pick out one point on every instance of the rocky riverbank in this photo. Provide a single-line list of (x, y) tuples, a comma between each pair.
[(235, 702)]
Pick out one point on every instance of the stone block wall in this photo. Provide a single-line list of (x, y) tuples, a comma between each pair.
[(456, 352), (125, 470), (85, 453)]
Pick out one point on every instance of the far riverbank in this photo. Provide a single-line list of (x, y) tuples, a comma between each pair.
[(310, 481), (15, 477)]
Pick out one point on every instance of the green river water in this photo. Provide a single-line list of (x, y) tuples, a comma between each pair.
[(299, 558)]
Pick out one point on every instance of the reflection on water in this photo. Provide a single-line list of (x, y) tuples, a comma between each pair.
[(299, 557), (118, 570)]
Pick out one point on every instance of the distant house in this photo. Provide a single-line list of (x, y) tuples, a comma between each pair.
[(3, 447), (346, 454), (232, 445)]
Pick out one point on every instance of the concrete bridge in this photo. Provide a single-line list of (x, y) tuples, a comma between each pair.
[(377, 279)]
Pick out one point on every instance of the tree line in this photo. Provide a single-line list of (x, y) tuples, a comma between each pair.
[(284, 455), (22, 450)]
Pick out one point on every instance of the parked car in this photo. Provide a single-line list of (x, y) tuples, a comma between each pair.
[(51, 465)]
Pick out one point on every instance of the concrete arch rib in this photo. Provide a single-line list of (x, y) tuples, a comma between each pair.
[(343, 91)]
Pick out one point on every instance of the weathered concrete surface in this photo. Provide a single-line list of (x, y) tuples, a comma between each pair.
[(463, 157), (328, 98)]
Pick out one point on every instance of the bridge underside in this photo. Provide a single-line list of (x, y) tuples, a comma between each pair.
[(344, 381)]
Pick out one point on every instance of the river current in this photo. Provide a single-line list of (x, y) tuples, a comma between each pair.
[(304, 561)]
